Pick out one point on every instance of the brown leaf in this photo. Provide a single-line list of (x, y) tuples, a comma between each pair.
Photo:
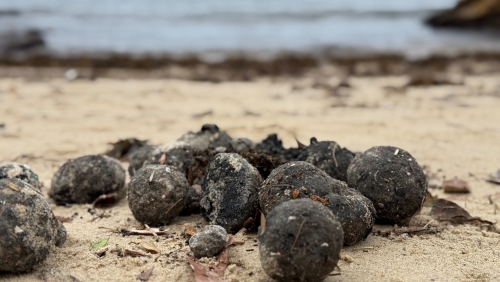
[(201, 273), (455, 186), (144, 275), (223, 262), (105, 199), (317, 198), (447, 210), (64, 219), (190, 230)]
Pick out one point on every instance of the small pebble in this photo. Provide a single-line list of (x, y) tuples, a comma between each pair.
[(392, 179), (229, 191), (157, 194), (28, 227), (83, 179), (301, 241), (209, 242)]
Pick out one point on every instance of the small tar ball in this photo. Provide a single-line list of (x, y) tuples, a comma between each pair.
[(229, 191), (392, 179), (20, 171), (208, 137), (209, 242), (83, 179), (301, 241), (157, 193), (139, 158), (28, 227)]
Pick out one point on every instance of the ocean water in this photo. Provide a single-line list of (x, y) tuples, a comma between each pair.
[(247, 26)]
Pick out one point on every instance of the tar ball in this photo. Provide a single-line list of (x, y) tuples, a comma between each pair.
[(210, 136), (28, 227), (157, 193), (139, 158), (392, 179), (301, 241), (296, 180), (209, 242), (83, 179), (229, 191), (20, 171), (329, 157), (179, 154)]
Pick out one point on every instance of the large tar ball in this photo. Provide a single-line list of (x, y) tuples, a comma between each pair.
[(83, 179), (295, 180), (157, 193), (139, 158), (301, 241), (20, 171), (28, 228), (210, 136), (229, 191), (392, 179), (329, 157)]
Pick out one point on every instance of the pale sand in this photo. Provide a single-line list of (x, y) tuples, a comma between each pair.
[(452, 128)]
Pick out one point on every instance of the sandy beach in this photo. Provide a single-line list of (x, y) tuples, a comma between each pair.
[(453, 130)]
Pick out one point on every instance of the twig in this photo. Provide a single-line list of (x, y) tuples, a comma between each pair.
[(298, 233), (174, 205), (150, 230), (334, 158)]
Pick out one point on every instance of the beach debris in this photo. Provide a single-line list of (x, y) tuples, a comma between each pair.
[(229, 191), (449, 211), (105, 199), (157, 193), (190, 231), (202, 114), (456, 186), (293, 248), (144, 275), (392, 179), (71, 74), (204, 274), (100, 243), (495, 179), (20, 171), (210, 241), (84, 179), (28, 227), (138, 158), (123, 148), (426, 78), (150, 247), (152, 231), (354, 211), (122, 252), (64, 219)]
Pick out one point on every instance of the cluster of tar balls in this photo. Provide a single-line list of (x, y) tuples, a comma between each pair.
[(316, 199)]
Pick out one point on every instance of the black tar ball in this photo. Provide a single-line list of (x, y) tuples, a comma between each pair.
[(83, 179), (301, 241), (392, 179), (139, 158), (28, 228), (296, 180), (157, 193), (229, 191), (20, 171), (208, 137)]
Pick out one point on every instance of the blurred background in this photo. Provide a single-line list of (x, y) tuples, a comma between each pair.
[(214, 28)]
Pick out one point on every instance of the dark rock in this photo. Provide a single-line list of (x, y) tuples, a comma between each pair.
[(321, 154), (157, 194), (19, 171), (139, 158), (301, 241), (208, 137), (392, 179), (28, 228), (229, 191), (209, 242), (296, 180), (469, 14), (83, 179)]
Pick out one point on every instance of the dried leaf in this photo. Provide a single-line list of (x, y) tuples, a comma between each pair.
[(100, 243), (447, 210), (150, 247), (134, 253), (296, 193), (151, 231), (190, 230), (201, 273), (223, 262), (317, 198), (455, 186), (105, 199), (144, 275), (163, 159), (64, 219)]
